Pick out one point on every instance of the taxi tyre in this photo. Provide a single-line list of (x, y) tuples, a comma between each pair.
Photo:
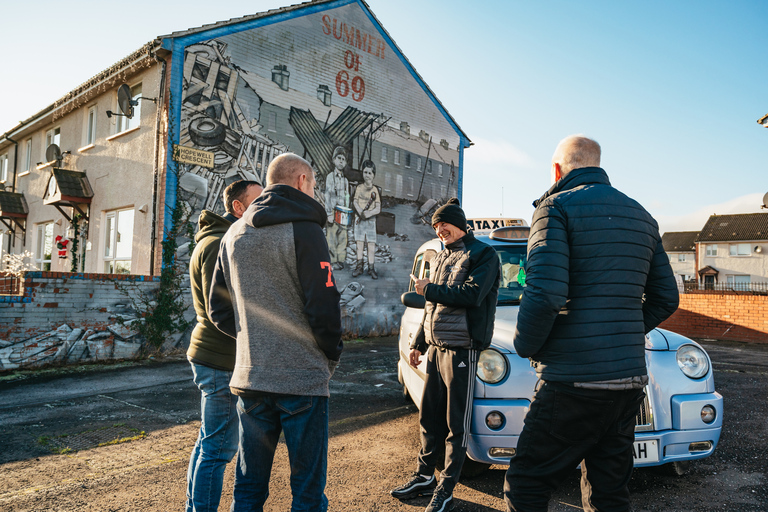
[(675, 469), (205, 131)]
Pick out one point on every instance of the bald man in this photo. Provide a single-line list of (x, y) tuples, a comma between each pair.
[(597, 280), (285, 315)]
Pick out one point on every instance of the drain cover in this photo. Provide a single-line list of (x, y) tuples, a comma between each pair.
[(115, 434)]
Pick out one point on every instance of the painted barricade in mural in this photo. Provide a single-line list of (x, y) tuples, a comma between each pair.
[(327, 84)]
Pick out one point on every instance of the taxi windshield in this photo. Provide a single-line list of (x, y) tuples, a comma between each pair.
[(512, 258)]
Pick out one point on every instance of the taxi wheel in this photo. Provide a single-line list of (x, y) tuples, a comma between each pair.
[(678, 468)]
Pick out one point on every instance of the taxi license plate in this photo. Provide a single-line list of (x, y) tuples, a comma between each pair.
[(646, 451)]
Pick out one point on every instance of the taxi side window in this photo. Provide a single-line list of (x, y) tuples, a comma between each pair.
[(421, 265)]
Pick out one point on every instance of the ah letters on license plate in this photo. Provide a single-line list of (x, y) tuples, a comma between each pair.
[(646, 451)]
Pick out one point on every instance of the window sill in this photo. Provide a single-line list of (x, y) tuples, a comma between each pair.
[(45, 165), (126, 132), (86, 148), (25, 173)]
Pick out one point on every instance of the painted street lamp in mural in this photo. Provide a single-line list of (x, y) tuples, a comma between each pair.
[(324, 95)]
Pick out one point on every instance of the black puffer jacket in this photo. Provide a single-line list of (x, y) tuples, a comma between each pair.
[(461, 297), (597, 280)]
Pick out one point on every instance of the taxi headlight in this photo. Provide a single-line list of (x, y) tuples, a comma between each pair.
[(492, 366), (692, 361)]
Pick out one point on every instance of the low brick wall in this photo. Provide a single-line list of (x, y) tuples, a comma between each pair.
[(71, 317), (737, 317)]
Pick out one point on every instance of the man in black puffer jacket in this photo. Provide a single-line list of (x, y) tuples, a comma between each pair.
[(461, 295), (597, 280)]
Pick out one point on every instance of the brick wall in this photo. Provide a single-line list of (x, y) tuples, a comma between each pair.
[(70, 317), (720, 316)]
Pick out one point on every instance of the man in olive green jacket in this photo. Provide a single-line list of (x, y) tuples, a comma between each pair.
[(212, 356)]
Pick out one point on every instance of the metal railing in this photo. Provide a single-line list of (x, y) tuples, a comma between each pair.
[(736, 288)]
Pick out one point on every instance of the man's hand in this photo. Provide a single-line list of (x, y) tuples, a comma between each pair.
[(414, 358), (420, 284)]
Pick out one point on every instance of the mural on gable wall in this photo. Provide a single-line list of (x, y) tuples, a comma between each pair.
[(328, 87)]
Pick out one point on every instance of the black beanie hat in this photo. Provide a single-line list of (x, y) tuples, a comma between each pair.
[(451, 213)]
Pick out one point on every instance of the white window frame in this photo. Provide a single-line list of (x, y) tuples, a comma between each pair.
[(396, 158), (738, 279), (411, 187), (439, 170), (272, 120), (711, 250), (418, 164), (52, 136), (4, 168), (90, 126), (109, 246), (681, 257), (407, 160), (383, 154), (740, 250), (388, 182), (27, 157), (429, 166), (122, 123), (43, 230)]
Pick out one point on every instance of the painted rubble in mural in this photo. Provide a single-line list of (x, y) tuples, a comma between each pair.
[(328, 87)]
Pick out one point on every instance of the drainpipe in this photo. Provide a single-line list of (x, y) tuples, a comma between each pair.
[(156, 167), (13, 189)]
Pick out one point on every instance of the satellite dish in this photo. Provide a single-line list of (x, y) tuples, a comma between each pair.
[(53, 152), (124, 100), (765, 201)]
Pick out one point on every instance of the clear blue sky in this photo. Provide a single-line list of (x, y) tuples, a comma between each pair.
[(671, 89)]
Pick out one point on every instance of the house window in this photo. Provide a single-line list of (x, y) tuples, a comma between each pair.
[(418, 164), (429, 166), (44, 247), (388, 182), (383, 154), (408, 160), (397, 157), (740, 250), (439, 170), (737, 281), (272, 122), (681, 256), (52, 136), (28, 156), (410, 187), (123, 123), (3, 168), (90, 127), (443, 191), (711, 250), (118, 241)]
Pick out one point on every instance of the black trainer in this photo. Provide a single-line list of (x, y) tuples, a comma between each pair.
[(442, 500), (417, 486)]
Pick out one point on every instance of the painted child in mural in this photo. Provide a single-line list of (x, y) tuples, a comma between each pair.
[(337, 208), (367, 204)]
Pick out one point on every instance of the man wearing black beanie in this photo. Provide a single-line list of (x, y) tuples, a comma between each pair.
[(457, 325)]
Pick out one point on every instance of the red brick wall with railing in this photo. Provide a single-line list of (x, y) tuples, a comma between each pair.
[(737, 317)]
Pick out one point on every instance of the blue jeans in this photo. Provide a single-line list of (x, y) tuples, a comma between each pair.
[(217, 441), (304, 421)]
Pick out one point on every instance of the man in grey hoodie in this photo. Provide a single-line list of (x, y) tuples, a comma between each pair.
[(273, 289), (212, 357)]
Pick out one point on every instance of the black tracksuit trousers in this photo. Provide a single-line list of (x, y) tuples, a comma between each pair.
[(446, 411)]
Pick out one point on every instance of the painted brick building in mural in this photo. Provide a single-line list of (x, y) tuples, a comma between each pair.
[(322, 79)]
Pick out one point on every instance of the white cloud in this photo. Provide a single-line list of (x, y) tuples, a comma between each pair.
[(694, 221), (497, 153)]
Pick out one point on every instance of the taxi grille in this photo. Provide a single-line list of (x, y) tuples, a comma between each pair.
[(644, 418)]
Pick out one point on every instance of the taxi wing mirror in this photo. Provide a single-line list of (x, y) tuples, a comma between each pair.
[(413, 300)]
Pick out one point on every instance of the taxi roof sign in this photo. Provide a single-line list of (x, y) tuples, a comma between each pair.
[(484, 226)]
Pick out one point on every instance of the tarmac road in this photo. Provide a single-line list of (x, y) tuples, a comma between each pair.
[(154, 407)]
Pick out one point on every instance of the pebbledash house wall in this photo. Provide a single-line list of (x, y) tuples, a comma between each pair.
[(733, 317), (64, 317)]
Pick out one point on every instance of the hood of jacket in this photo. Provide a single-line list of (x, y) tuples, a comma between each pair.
[(281, 204), (210, 223), (576, 178)]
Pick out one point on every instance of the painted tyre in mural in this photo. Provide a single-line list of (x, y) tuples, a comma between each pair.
[(205, 131)]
